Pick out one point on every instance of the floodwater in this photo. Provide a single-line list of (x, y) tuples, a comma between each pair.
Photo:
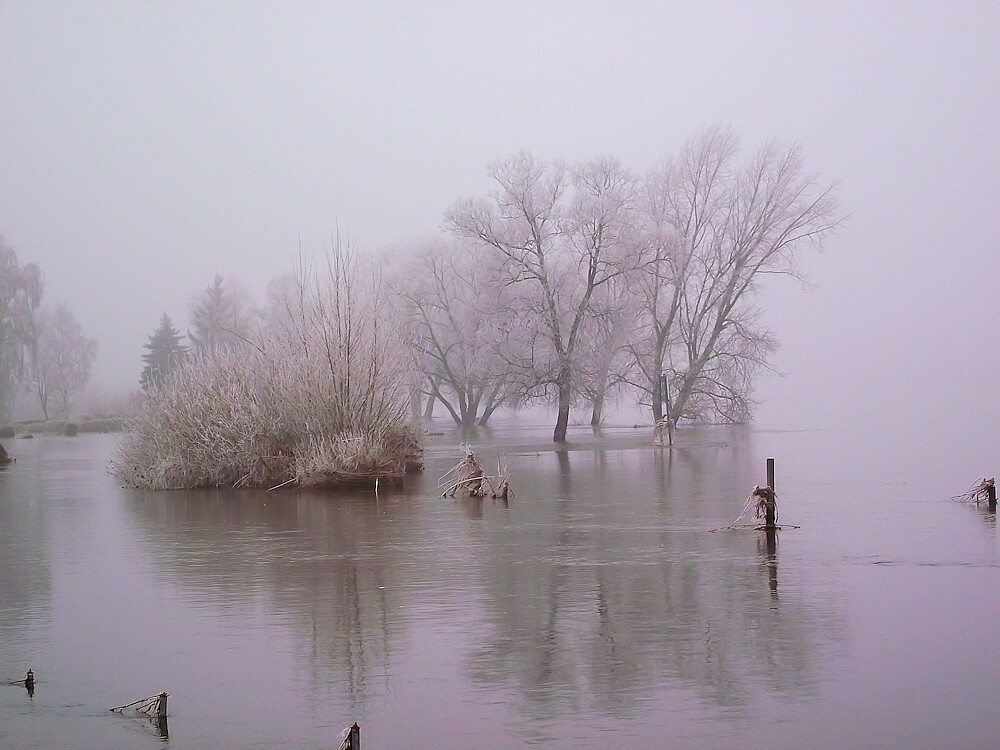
[(598, 610)]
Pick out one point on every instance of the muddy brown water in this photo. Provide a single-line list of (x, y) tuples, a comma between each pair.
[(597, 610)]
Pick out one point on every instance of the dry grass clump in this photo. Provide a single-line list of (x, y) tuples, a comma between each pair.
[(319, 399)]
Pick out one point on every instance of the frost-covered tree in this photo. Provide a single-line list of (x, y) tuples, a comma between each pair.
[(61, 358), (561, 236), (446, 294), (20, 295), (605, 362), (165, 353), (716, 228), (220, 318)]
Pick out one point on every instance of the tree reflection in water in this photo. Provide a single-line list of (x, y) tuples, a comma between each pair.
[(598, 587)]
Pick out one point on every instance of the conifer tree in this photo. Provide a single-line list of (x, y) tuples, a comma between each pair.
[(165, 353), (220, 319)]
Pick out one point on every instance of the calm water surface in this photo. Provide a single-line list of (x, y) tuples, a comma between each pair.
[(598, 609)]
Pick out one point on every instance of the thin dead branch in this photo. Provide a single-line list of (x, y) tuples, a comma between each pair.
[(980, 491)]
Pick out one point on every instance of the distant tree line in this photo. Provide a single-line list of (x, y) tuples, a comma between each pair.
[(42, 351)]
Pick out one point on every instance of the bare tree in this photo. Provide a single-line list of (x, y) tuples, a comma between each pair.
[(717, 228), (20, 295), (605, 364), (562, 237), (61, 358), (659, 286), (444, 292)]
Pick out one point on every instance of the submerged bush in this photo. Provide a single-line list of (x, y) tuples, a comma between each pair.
[(320, 398), (105, 424)]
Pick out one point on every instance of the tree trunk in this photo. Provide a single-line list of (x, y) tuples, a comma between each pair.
[(656, 391), (597, 415), (681, 399), (43, 401), (415, 397), (562, 419), (429, 407)]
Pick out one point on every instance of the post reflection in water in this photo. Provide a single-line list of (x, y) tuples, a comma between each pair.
[(770, 558)]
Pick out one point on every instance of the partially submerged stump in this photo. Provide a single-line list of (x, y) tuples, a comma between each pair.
[(155, 706), (984, 490), (28, 682), (979, 491), (469, 477), (351, 737)]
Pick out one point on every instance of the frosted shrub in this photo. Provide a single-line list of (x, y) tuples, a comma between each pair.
[(320, 399)]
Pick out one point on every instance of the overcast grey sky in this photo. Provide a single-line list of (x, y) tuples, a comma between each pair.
[(146, 146)]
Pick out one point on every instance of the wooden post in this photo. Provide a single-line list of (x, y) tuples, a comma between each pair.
[(770, 506), (355, 736), (161, 706), (991, 496), (770, 511), (162, 728)]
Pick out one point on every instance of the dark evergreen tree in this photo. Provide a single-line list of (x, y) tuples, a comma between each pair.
[(220, 319), (165, 354)]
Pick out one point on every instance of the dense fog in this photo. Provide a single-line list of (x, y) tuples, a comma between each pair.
[(149, 147)]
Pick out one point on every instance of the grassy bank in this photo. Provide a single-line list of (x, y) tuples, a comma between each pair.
[(59, 427)]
